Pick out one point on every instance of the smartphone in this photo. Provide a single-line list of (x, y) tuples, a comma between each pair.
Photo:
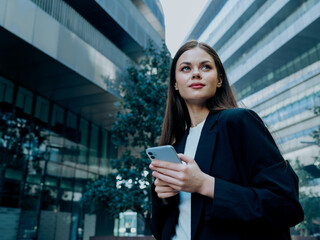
[(163, 153)]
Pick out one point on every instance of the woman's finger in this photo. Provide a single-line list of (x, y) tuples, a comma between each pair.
[(169, 180), (159, 182), (169, 172), (167, 195), (156, 164), (166, 189)]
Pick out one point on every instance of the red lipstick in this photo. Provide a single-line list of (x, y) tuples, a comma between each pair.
[(197, 85)]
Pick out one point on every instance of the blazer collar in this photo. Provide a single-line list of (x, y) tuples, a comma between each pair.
[(204, 159), (208, 125), (206, 143), (211, 120)]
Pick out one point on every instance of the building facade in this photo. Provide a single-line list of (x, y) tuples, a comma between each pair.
[(271, 52), (61, 65)]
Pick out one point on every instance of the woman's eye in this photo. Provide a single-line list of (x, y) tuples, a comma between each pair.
[(186, 68), (206, 67)]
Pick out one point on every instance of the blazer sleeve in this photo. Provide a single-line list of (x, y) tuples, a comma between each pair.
[(271, 196), (162, 215)]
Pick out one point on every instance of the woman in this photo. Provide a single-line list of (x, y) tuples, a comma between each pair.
[(234, 183)]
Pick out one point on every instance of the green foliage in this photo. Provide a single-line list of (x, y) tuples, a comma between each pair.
[(137, 126), (310, 201), (144, 100), (121, 190), (311, 207), (20, 141)]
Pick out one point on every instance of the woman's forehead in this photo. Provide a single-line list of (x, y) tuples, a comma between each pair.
[(195, 54)]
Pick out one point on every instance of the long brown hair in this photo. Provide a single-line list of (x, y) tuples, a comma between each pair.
[(176, 117)]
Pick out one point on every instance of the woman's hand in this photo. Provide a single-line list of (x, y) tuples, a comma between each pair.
[(181, 177), (163, 190)]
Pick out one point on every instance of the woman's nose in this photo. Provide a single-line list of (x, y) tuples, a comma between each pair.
[(196, 75)]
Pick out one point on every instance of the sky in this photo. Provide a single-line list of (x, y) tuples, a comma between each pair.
[(180, 16)]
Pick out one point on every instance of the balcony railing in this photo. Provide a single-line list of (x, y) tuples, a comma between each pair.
[(73, 21)]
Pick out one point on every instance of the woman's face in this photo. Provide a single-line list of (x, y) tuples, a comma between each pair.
[(196, 77)]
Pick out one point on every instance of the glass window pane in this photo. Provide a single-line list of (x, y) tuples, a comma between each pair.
[(67, 177), (104, 143), (2, 90), (104, 161), (24, 100), (49, 196), (6, 90), (28, 225), (71, 120), (57, 119), (10, 193), (93, 158), (57, 115), (71, 130), (42, 109), (35, 173), (83, 146), (13, 174), (55, 144), (94, 140), (84, 126), (80, 180), (70, 152), (92, 176), (112, 149), (52, 174), (104, 166), (65, 202), (31, 197)]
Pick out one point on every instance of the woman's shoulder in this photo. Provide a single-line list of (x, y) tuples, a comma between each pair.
[(242, 122), (239, 115), (238, 112)]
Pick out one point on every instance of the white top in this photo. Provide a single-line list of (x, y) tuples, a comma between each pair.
[(183, 227)]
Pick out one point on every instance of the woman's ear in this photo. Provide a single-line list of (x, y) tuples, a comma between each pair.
[(176, 86), (219, 84)]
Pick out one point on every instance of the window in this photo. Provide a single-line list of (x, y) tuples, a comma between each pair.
[(24, 100), (71, 127), (42, 109), (57, 115), (83, 146), (6, 90), (94, 146)]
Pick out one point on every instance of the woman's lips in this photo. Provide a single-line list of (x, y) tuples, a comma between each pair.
[(197, 85)]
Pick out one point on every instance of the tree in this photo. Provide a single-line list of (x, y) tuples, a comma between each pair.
[(21, 140), (22, 146), (137, 126), (310, 200)]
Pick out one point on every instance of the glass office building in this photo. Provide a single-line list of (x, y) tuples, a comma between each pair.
[(271, 52), (61, 64)]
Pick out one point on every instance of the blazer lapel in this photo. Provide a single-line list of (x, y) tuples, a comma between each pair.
[(204, 159), (180, 145)]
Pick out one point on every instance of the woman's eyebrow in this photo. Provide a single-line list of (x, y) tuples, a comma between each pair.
[(187, 63), (206, 61)]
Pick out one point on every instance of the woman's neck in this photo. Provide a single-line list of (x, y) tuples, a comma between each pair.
[(197, 115)]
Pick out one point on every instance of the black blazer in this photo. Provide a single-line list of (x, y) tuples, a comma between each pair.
[(256, 190)]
